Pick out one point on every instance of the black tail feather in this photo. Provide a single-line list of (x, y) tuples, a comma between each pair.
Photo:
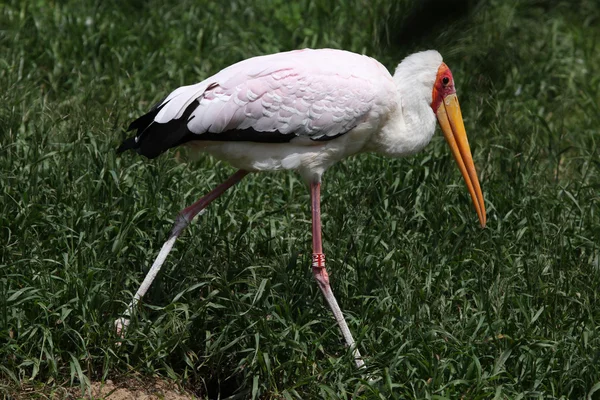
[(145, 120), (127, 144), (152, 138)]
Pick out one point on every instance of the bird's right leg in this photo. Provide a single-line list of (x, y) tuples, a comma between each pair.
[(183, 219), (321, 275)]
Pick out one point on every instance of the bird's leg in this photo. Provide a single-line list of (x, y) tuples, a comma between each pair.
[(320, 273), (183, 219)]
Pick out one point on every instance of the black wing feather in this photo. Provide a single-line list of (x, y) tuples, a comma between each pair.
[(153, 138)]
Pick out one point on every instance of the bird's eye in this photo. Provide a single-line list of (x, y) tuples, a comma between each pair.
[(445, 80)]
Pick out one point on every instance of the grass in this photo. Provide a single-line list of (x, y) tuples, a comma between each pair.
[(440, 308)]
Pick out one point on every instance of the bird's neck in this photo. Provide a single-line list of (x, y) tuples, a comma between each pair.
[(410, 125), (411, 121)]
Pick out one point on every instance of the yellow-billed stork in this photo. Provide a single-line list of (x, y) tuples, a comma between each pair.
[(306, 110)]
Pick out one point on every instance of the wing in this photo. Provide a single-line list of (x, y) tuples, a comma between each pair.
[(312, 95)]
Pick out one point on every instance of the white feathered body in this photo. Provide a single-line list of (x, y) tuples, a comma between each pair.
[(306, 110)]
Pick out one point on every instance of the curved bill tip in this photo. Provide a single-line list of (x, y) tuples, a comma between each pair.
[(450, 119)]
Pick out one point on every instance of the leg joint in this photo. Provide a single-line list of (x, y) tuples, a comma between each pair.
[(318, 260), (181, 222), (319, 270)]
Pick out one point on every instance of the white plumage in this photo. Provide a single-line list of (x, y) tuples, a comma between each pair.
[(329, 103)]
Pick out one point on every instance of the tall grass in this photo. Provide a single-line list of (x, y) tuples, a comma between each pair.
[(440, 308)]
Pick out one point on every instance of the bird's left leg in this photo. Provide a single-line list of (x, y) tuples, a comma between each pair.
[(183, 219), (320, 273)]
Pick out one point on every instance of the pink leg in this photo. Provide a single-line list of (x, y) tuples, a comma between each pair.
[(187, 214), (183, 219), (320, 273)]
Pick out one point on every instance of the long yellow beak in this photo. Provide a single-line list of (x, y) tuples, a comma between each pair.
[(451, 121)]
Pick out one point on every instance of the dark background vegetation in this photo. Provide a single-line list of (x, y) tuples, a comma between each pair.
[(439, 307)]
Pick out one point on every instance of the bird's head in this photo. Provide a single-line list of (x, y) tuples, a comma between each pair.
[(445, 106), (425, 75)]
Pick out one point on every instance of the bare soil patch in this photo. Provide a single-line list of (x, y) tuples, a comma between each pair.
[(122, 389), (135, 390)]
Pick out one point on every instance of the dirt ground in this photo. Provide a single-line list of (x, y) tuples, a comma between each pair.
[(155, 391), (127, 389)]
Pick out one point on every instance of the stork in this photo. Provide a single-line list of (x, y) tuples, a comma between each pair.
[(305, 110)]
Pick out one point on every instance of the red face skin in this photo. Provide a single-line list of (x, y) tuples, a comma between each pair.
[(444, 86)]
